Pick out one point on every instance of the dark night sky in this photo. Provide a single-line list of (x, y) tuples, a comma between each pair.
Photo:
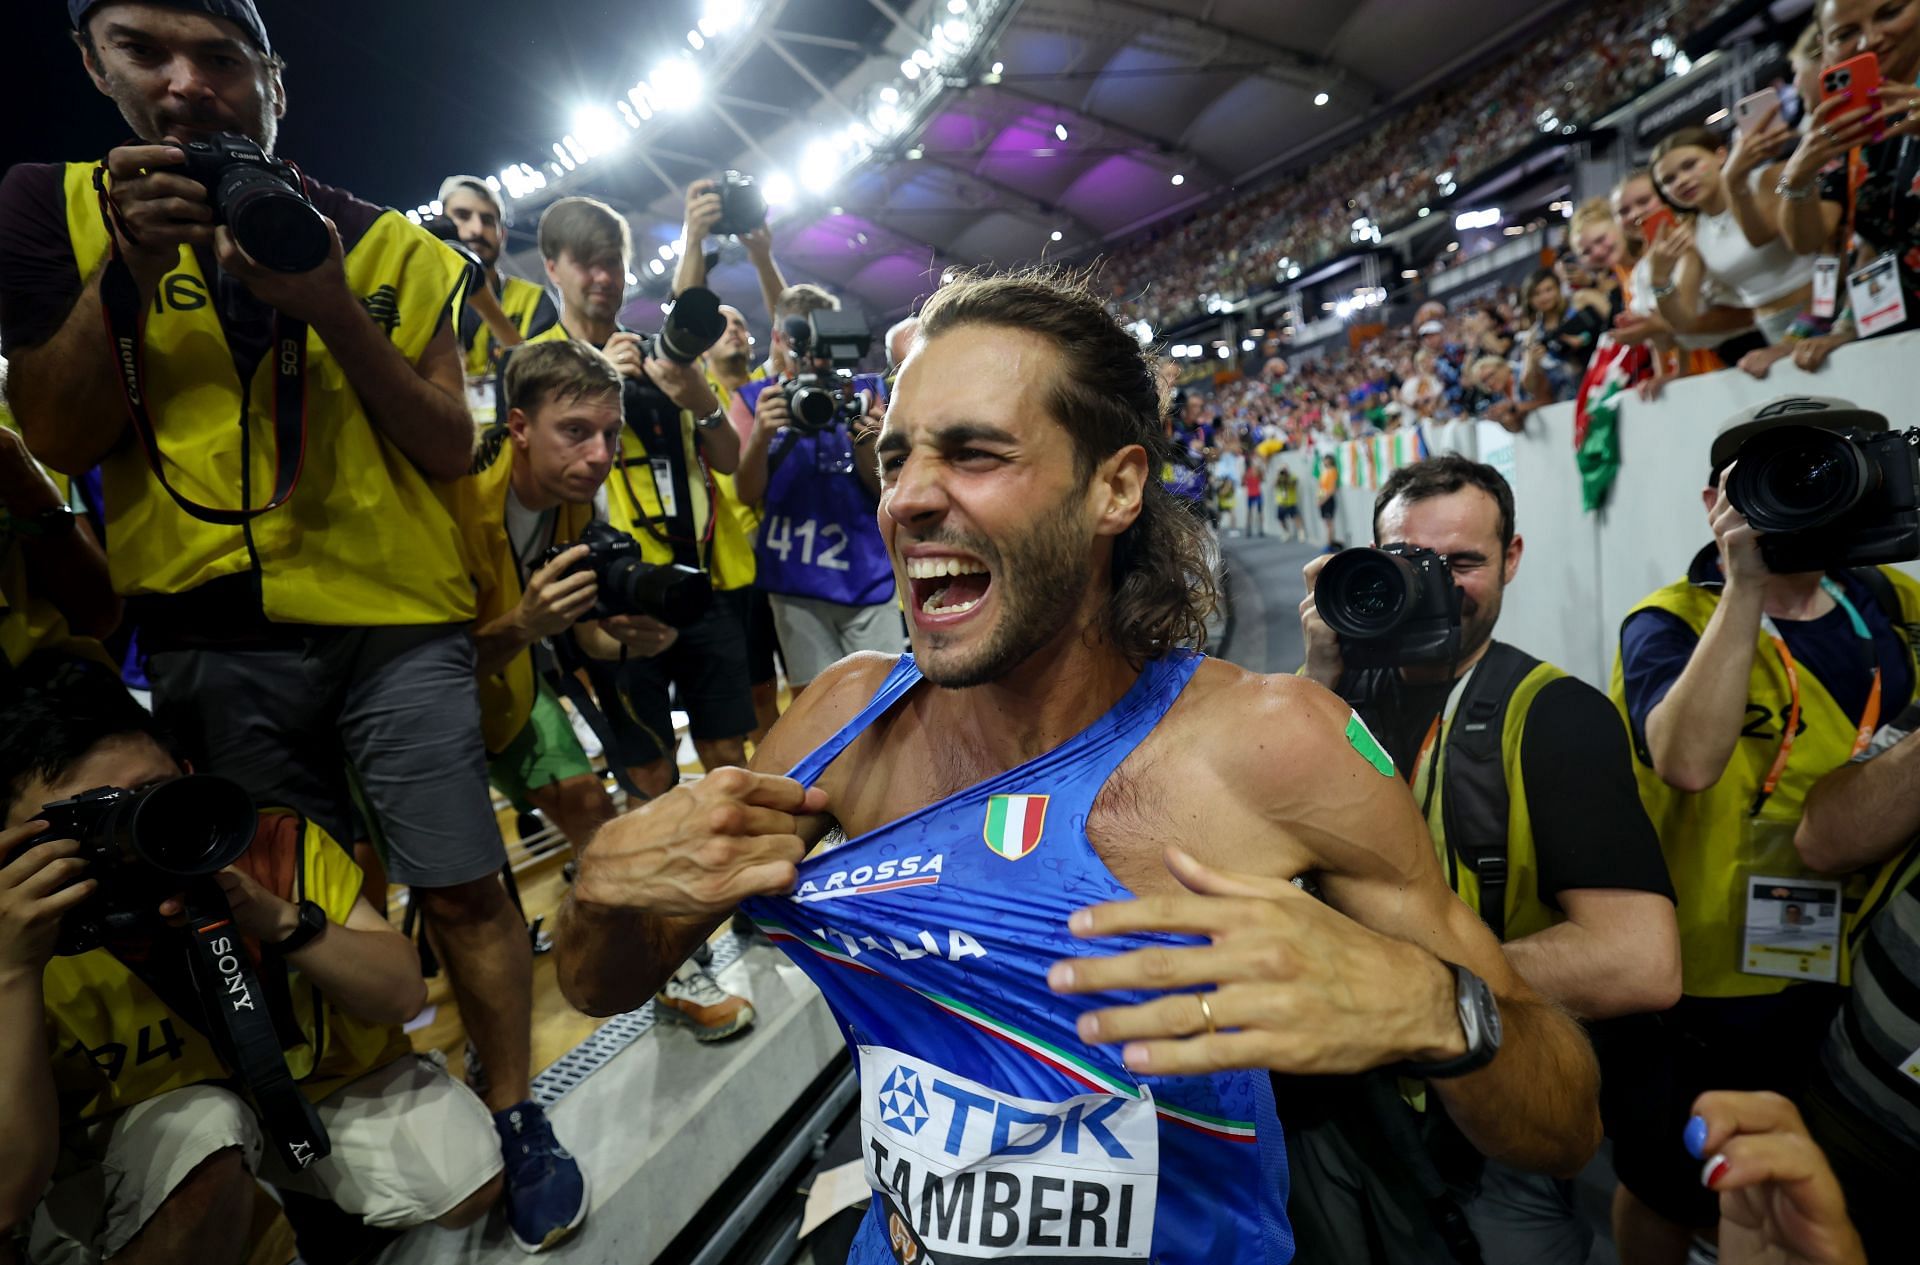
[(385, 96)]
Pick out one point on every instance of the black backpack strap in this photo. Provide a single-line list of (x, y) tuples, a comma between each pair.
[(1476, 798), (1875, 581)]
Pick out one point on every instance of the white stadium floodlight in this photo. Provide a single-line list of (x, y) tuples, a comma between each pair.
[(722, 15), (1060, 131), (1246, 344), (1224, 350), (597, 129), (1178, 178), (655, 267), (910, 68), (819, 166), (676, 84), (1056, 234), (1320, 98), (1477, 219), (777, 188)]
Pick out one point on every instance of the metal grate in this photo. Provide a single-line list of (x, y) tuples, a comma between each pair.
[(615, 1035)]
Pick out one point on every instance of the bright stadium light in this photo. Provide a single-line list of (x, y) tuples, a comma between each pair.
[(1178, 179), (1060, 131), (666, 252), (632, 280), (655, 267), (1056, 234), (1320, 98), (1477, 219), (676, 84), (598, 130), (1246, 344), (777, 188), (999, 67), (723, 15), (923, 58), (1224, 350), (911, 69), (956, 6), (820, 164)]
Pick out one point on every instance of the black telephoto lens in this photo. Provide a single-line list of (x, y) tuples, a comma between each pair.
[(1799, 478), (190, 826), (693, 327), (269, 220), (1365, 593)]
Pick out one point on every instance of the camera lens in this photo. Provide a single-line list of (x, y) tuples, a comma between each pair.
[(190, 826), (693, 327), (1798, 478), (277, 227), (1365, 593), (812, 409), (676, 596)]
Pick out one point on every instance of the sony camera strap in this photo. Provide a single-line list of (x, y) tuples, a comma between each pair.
[(124, 313)]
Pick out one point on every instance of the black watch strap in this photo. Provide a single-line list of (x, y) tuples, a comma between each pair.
[(55, 520), (1479, 1019), (313, 920)]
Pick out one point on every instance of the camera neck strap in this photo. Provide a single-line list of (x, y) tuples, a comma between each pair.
[(1869, 716), (124, 312)]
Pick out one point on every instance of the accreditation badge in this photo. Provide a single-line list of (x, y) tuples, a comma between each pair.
[(480, 399), (1826, 286), (1879, 302), (1792, 928), (663, 486)]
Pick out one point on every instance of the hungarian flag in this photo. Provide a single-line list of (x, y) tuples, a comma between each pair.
[(1014, 823), (1596, 415)]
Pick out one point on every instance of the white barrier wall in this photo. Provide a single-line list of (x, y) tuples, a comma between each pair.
[(1582, 572)]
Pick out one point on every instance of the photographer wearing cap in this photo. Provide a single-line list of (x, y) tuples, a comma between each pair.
[(538, 494), (128, 1138), (810, 467), (476, 214), (1768, 667), (1518, 768), (256, 556), (662, 493)]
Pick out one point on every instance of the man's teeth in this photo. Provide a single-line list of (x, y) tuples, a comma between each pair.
[(934, 568), (932, 605)]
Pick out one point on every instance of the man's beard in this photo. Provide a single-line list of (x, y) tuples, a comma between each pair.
[(731, 364), (153, 127), (1477, 621), (1040, 578)]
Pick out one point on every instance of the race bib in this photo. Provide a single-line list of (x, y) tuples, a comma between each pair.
[(1792, 928), (1826, 286), (965, 1173), (663, 485), (1879, 304)]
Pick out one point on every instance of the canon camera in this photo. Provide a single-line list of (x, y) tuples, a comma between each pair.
[(627, 584), (144, 846), (261, 200), (1830, 498), (826, 346), (1392, 607)]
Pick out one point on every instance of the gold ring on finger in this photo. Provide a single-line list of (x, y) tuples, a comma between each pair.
[(1206, 1012)]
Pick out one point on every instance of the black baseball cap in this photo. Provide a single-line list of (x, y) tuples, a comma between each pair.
[(1823, 411), (239, 12)]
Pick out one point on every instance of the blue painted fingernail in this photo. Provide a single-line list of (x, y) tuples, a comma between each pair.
[(1696, 1137)]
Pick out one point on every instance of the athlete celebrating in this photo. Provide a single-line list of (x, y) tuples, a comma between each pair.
[(1009, 790)]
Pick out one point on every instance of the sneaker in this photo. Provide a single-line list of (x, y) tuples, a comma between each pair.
[(546, 1191), (692, 998)]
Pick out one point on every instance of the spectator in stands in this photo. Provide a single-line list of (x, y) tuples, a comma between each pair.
[(1496, 731), (108, 1069), (1560, 340), (1727, 233), (256, 619), (1862, 155), (1864, 817), (1743, 688)]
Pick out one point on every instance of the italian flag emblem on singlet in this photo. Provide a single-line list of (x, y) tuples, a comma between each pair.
[(1014, 823)]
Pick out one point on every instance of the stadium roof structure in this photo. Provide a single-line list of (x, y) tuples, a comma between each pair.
[(910, 137)]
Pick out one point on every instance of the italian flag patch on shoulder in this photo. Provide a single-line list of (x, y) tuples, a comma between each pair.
[(1013, 824), (1361, 739)]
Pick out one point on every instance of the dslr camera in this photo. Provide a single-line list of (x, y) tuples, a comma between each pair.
[(1392, 607), (627, 584), (1830, 498), (826, 345), (143, 846), (261, 200), (692, 326), (742, 206)]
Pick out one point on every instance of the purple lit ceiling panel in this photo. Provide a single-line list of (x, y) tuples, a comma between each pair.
[(1002, 239), (1154, 112), (1120, 191), (954, 130), (1255, 116), (895, 281)]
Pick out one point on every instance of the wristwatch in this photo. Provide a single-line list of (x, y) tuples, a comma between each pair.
[(55, 520), (1662, 289), (313, 920), (1479, 1019), (712, 420)]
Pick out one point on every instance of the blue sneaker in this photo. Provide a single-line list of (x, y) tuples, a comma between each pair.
[(546, 1191)]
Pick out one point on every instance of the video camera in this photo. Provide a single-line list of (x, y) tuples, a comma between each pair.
[(826, 346), (1830, 498), (627, 584), (742, 206), (142, 846), (1392, 607), (261, 200)]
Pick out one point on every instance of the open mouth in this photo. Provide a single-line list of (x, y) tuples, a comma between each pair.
[(947, 588)]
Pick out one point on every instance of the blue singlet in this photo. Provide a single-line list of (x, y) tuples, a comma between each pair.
[(989, 1131)]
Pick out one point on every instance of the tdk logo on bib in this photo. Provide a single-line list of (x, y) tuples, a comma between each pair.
[(981, 1174)]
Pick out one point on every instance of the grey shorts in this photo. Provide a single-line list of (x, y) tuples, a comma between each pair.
[(815, 635), (398, 704)]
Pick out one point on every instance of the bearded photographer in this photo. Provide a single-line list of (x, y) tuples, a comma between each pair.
[(284, 643), (662, 492), (552, 578), (476, 215), (1518, 768), (1768, 667), (810, 467), (128, 1138)]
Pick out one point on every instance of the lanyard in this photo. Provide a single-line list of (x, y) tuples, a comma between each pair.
[(1426, 764), (1857, 174), (1869, 718)]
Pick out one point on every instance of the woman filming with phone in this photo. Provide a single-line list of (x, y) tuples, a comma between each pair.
[(1844, 192)]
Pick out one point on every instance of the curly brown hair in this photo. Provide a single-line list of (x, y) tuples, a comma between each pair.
[(1108, 394)]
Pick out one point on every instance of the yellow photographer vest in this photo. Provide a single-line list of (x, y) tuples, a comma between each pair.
[(363, 540), (479, 504), (519, 299), (1705, 835), (114, 1042), (633, 503)]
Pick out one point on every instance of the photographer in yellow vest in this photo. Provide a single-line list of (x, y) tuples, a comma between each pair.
[(129, 1138), (541, 482), (662, 492), (1766, 668), (474, 212), (265, 370)]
